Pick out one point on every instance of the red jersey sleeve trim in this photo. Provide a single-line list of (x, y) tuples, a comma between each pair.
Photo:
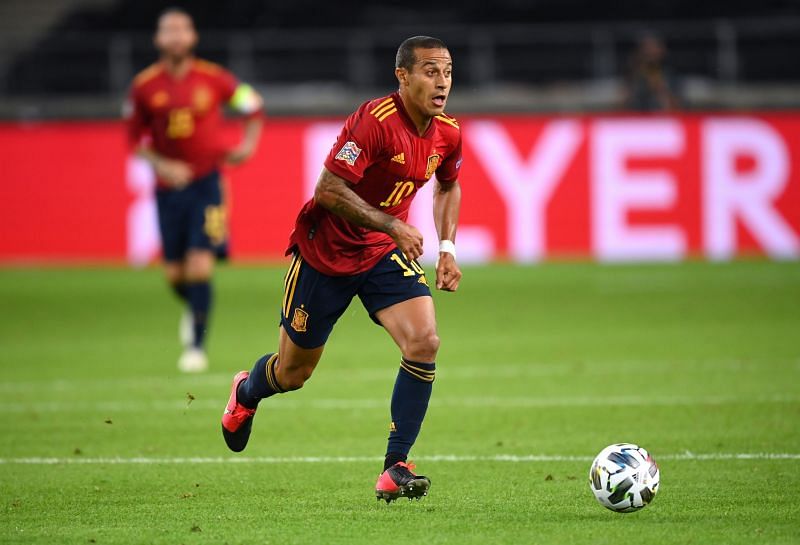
[(341, 172), (450, 168)]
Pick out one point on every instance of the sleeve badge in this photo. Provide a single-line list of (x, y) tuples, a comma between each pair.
[(349, 153)]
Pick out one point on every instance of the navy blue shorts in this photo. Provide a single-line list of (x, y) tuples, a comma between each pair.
[(192, 218), (313, 301)]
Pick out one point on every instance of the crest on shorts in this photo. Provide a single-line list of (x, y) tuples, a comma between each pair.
[(202, 98), (349, 153), (433, 164), (300, 320)]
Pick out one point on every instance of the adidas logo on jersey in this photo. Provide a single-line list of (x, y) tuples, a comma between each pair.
[(400, 158)]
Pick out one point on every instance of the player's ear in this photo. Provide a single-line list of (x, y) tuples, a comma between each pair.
[(402, 76)]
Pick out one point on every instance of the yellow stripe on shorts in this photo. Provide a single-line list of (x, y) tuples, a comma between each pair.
[(291, 284)]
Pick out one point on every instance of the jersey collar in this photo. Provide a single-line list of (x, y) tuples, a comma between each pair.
[(401, 110), (192, 64)]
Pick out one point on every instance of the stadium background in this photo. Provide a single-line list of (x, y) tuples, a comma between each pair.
[(559, 163), (547, 355)]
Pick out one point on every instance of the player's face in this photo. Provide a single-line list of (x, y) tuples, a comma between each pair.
[(175, 36), (428, 82)]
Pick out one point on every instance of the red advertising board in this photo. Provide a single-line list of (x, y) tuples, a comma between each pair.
[(535, 187)]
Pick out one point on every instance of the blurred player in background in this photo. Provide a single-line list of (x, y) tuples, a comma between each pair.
[(175, 111), (352, 239)]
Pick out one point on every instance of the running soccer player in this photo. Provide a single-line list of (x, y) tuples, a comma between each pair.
[(352, 239), (174, 119)]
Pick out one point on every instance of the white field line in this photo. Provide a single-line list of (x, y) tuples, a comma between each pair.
[(382, 403), (507, 458)]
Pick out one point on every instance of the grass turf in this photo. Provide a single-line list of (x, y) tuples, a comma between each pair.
[(558, 360)]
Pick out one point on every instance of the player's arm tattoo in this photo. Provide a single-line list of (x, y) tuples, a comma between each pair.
[(446, 206), (336, 194)]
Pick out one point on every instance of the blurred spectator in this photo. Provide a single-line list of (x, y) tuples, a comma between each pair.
[(651, 85)]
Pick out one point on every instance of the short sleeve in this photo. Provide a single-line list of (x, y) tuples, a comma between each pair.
[(136, 117), (451, 166), (360, 145), (226, 85)]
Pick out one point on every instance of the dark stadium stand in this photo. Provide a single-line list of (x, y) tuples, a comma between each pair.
[(96, 48)]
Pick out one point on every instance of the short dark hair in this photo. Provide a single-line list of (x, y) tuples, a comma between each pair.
[(173, 10), (405, 53)]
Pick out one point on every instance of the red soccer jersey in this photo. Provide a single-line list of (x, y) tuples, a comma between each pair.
[(379, 151), (181, 117)]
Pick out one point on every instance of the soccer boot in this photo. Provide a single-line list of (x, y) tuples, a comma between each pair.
[(237, 420), (399, 481), (193, 360)]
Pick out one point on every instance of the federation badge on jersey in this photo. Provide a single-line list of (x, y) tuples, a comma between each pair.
[(202, 98), (159, 99), (349, 153), (433, 164)]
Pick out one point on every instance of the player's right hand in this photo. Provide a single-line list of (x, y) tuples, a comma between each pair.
[(176, 173), (407, 237)]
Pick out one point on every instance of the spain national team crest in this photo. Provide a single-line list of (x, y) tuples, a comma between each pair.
[(433, 164), (349, 153), (202, 98), (300, 320)]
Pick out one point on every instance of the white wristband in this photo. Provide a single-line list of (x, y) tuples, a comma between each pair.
[(448, 247)]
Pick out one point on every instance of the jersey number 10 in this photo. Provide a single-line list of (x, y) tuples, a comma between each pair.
[(401, 191)]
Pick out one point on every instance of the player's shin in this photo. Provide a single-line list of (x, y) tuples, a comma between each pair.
[(412, 392), (261, 383), (199, 295)]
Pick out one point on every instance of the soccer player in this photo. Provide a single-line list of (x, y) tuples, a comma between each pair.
[(174, 118), (352, 239)]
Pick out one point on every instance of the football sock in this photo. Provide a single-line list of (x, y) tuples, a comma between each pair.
[(261, 383), (181, 290), (392, 458), (200, 302), (412, 392)]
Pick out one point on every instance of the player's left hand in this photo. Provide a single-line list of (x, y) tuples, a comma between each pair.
[(239, 155), (448, 275)]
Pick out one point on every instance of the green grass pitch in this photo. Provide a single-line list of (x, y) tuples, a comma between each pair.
[(103, 441)]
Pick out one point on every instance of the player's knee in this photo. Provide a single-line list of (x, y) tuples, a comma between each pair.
[(423, 346), (174, 275), (199, 267), (197, 278), (195, 275)]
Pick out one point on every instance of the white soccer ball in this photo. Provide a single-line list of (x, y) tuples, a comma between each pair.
[(624, 477)]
